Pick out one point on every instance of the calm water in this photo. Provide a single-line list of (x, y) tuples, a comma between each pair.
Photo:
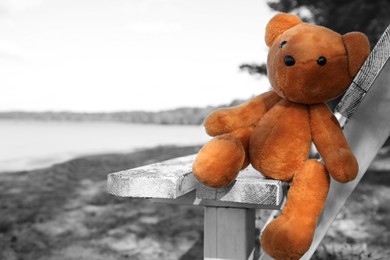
[(30, 144)]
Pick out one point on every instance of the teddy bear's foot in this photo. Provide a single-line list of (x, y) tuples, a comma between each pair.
[(220, 160), (290, 235), (287, 238)]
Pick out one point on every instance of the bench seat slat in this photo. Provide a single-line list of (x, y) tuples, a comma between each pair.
[(250, 187), (173, 178), (168, 179)]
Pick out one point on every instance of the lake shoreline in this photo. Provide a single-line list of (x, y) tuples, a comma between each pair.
[(33, 145), (34, 164)]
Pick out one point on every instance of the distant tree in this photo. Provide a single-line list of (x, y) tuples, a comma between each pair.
[(368, 16), (254, 69)]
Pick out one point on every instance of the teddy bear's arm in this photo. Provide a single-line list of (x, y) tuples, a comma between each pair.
[(331, 144), (245, 115)]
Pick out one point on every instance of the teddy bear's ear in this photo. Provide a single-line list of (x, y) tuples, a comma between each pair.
[(278, 24), (358, 49)]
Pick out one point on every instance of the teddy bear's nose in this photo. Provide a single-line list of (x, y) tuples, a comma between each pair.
[(289, 60)]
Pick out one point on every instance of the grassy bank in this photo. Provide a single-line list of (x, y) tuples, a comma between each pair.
[(63, 212)]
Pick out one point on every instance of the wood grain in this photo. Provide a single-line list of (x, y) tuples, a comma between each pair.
[(366, 76), (173, 178), (168, 179), (250, 187), (229, 233)]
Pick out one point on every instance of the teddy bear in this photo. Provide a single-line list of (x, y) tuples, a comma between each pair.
[(307, 66)]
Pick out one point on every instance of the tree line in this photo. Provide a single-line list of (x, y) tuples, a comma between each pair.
[(179, 116), (368, 16)]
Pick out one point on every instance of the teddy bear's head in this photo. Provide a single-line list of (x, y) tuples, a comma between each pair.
[(311, 64)]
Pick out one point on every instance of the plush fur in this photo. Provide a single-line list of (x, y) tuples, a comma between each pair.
[(307, 66)]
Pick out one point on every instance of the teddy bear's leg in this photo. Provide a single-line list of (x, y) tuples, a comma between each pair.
[(290, 235), (220, 160)]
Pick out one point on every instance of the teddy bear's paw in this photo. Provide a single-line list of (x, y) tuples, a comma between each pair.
[(218, 122), (219, 161), (342, 165), (286, 238)]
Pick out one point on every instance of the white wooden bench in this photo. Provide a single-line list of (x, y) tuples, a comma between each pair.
[(229, 219)]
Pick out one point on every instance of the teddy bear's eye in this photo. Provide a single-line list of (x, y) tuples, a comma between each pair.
[(289, 60), (321, 61), (282, 44)]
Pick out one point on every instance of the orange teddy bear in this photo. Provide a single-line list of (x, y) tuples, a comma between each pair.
[(307, 66)]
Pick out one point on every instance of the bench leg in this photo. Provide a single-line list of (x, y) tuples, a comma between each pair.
[(229, 233)]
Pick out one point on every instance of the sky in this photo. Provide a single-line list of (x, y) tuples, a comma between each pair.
[(115, 55)]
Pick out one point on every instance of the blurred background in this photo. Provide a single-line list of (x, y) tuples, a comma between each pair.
[(90, 87)]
